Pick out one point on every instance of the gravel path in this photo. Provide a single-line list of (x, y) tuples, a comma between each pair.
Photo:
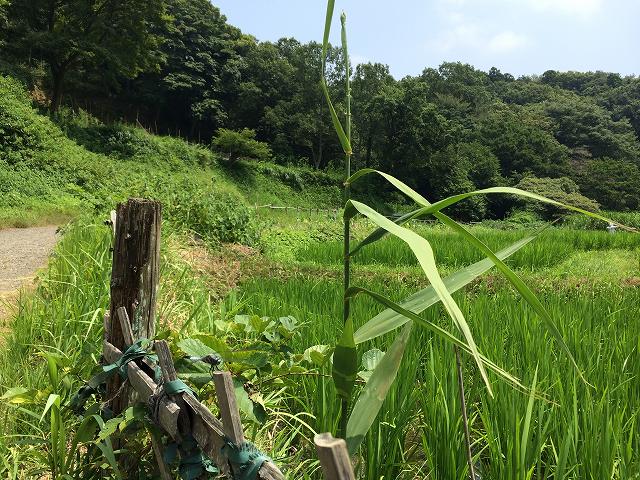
[(22, 252)]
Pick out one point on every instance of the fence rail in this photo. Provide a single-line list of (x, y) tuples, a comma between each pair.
[(333, 211)]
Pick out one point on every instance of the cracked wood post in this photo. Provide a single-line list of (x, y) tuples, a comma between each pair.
[(134, 280), (334, 457)]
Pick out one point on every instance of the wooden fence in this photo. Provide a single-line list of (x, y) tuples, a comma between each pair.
[(134, 284)]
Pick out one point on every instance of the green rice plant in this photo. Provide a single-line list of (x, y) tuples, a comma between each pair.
[(422, 409), (452, 252)]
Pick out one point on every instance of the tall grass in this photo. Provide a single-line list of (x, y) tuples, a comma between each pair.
[(61, 322), (576, 431), (552, 247)]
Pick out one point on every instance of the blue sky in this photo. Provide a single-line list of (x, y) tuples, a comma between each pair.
[(517, 36)]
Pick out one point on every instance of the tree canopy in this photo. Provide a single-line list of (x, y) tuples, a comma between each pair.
[(178, 67)]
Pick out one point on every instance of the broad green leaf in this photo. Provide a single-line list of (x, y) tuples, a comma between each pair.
[(422, 250), (375, 391), (253, 410), (109, 428), (378, 233), (87, 430), (370, 360), (345, 362), (18, 395), (317, 354), (389, 319), (439, 331), (195, 347)]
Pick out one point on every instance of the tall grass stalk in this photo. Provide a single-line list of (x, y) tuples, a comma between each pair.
[(347, 197)]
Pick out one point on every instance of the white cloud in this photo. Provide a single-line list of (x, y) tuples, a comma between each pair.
[(358, 59), (583, 8), (461, 35), (465, 35), (506, 42)]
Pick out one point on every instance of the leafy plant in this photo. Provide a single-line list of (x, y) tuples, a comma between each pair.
[(345, 356)]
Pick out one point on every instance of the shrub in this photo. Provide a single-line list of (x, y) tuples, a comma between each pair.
[(240, 144), (216, 216), (561, 189)]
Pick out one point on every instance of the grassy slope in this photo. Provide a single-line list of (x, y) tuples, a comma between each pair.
[(51, 171)]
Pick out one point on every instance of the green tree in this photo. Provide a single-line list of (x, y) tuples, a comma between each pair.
[(523, 141), (200, 64), (580, 122), (367, 89), (614, 183), (240, 144), (113, 35), (462, 168), (562, 189)]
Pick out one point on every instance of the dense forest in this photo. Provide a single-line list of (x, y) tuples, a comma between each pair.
[(177, 67)]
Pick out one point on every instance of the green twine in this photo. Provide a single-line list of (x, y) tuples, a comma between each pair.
[(177, 386), (247, 457), (192, 461), (134, 352)]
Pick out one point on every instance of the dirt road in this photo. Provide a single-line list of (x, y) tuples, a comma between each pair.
[(22, 252)]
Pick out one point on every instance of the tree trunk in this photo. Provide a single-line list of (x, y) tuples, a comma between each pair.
[(369, 146), (57, 75)]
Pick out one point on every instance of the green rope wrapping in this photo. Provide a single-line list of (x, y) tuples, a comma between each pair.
[(178, 386), (192, 461), (248, 458), (134, 352)]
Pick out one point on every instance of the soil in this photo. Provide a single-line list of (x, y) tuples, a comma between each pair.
[(22, 252)]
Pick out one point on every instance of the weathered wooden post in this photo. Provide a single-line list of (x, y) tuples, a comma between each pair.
[(134, 281), (334, 457)]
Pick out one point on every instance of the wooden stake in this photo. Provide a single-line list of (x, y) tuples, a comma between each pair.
[(206, 429), (169, 374), (125, 325), (134, 280), (334, 457), (228, 404)]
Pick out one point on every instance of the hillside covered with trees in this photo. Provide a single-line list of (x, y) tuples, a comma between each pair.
[(177, 67)]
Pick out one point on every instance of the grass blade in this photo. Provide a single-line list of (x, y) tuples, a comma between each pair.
[(440, 332), (517, 282), (422, 250), (337, 125)]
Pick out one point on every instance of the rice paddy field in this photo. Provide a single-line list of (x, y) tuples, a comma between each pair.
[(563, 428), (587, 279)]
